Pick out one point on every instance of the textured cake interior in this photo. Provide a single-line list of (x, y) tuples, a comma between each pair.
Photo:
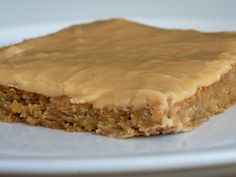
[(121, 122)]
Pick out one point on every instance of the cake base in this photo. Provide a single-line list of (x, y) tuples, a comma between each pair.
[(120, 122)]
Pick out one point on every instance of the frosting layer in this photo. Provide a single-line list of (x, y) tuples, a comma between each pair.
[(117, 62)]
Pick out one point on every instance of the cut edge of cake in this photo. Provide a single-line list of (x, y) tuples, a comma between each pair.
[(115, 121)]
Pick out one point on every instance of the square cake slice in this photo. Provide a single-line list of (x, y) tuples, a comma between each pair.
[(118, 78)]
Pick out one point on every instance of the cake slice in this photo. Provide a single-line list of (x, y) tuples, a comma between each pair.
[(118, 78)]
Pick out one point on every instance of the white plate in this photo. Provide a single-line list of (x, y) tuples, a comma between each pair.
[(207, 150)]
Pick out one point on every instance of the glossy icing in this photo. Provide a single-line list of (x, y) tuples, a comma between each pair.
[(117, 62)]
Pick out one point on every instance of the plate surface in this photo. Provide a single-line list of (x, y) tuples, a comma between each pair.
[(207, 150)]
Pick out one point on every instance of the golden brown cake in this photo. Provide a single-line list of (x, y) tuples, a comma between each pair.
[(118, 78)]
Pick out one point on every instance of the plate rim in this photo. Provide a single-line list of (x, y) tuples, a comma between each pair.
[(142, 163)]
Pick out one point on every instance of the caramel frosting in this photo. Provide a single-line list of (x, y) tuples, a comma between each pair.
[(118, 62)]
